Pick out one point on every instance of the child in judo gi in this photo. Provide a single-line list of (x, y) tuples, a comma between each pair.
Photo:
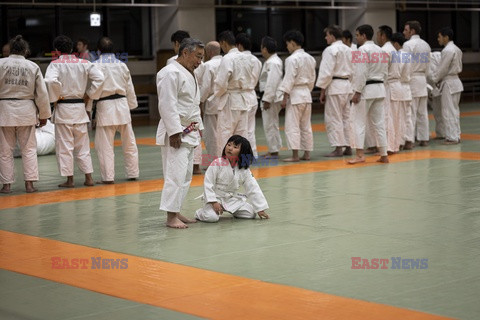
[(223, 179)]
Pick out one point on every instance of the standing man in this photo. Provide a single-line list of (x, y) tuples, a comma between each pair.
[(297, 85), (23, 104), (113, 114), (270, 79), (419, 57), (334, 79), (83, 52), (435, 96), (177, 133), (371, 72), (231, 87), (208, 101), (446, 78), (177, 38), (244, 45), (71, 83), (384, 37)]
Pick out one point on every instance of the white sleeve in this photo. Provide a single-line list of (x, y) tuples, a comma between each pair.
[(325, 71), (54, 87), (274, 77), (443, 66), (167, 89), (289, 78), (130, 92), (254, 193), (209, 182), (223, 75), (95, 75)]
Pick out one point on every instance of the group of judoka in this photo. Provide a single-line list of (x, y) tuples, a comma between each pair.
[(71, 84)]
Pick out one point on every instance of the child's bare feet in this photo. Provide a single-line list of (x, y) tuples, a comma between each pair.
[(29, 188), (6, 188), (89, 180), (67, 184)]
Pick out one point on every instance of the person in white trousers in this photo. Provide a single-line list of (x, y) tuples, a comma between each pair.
[(244, 45), (71, 83), (435, 96), (113, 114), (23, 105), (418, 126), (269, 81), (451, 87), (232, 89), (208, 102), (177, 132), (371, 72), (334, 79), (297, 85)]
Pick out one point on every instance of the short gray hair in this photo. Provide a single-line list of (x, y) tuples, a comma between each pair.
[(190, 45)]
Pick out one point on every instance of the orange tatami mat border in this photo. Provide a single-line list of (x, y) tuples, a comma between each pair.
[(199, 292), (134, 187)]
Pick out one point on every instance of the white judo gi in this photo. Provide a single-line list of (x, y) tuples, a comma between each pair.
[(418, 126), (435, 95), (389, 126), (269, 81), (252, 80), (298, 82), (400, 99), (71, 78), (45, 137), (233, 88), (114, 115), (446, 78), (210, 107), (178, 104), (373, 108), (335, 76), (23, 100), (222, 184)]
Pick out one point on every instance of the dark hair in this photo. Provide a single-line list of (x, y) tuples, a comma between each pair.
[(105, 45), (63, 44), (245, 157), (334, 30), (227, 36), (398, 37), (387, 31), (295, 36), (179, 35), (270, 44), (347, 34), (415, 25), (447, 32), (19, 46), (367, 30), (243, 40), (84, 41), (190, 45)]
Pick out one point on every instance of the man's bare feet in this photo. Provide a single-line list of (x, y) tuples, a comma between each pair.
[(371, 150), (271, 155), (174, 222), (29, 188), (335, 153), (105, 182), (383, 159), (184, 219), (356, 160), (6, 188), (348, 151), (306, 156), (89, 180), (291, 160), (450, 142), (423, 143), (408, 145), (67, 184)]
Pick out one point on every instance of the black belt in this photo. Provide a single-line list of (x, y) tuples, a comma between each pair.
[(112, 97), (9, 99), (373, 82), (339, 78), (71, 101)]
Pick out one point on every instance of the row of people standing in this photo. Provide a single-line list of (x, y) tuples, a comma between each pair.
[(71, 84)]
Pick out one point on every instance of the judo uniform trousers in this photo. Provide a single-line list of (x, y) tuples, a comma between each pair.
[(222, 183), (113, 114), (334, 76), (269, 81), (298, 82), (23, 100), (419, 58), (435, 95), (178, 104), (71, 78)]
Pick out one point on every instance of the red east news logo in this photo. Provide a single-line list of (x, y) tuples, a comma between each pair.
[(83, 263)]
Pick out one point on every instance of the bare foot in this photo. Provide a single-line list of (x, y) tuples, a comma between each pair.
[(423, 143), (450, 142), (88, 180), (271, 155), (291, 160), (408, 145), (29, 188), (66, 185), (174, 222), (371, 150), (105, 182), (335, 153), (348, 151), (356, 160), (185, 219), (305, 158), (383, 159), (6, 188)]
